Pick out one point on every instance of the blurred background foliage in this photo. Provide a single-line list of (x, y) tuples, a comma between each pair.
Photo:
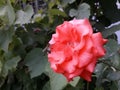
[(26, 27)]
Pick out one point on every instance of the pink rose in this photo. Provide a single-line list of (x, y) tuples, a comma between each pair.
[(74, 49)]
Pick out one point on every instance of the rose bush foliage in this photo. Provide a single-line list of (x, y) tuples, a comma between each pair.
[(75, 49)]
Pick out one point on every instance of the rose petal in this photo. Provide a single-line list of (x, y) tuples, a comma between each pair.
[(70, 76), (64, 30), (84, 59), (83, 26), (56, 57), (86, 75), (68, 67), (98, 44), (91, 66)]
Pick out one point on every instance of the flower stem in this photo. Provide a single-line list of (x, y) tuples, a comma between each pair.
[(87, 85)]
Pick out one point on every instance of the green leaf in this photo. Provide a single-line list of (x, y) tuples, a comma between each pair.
[(3, 21), (99, 69), (10, 12), (82, 12), (2, 10), (109, 31), (3, 17), (2, 2), (57, 12), (13, 1), (116, 60), (6, 38), (52, 3), (36, 62), (114, 75), (17, 47), (65, 2), (75, 81), (7, 13), (57, 81), (73, 13), (24, 17), (111, 47), (10, 64)]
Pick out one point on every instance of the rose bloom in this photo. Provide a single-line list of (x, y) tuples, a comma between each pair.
[(75, 49)]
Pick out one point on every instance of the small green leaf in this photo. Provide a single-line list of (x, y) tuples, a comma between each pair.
[(24, 17), (99, 69), (2, 2), (10, 64), (7, 13), (3, 17), (36, 62), (65, 2), (111, 48), (116, 60), (57, 81), (2, 10), (6, 38), (114, 75), (51, 4), (109, 31), (13, 1), (82, 12), (99, 72), (75, 81), (10, 13), (57, 12), (73, 12)]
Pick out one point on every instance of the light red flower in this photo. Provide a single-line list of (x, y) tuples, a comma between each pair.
[(74, 49)]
